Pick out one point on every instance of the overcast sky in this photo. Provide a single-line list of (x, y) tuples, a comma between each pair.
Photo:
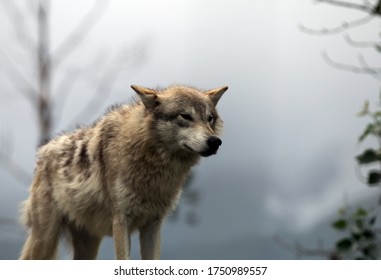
[(290, 137)]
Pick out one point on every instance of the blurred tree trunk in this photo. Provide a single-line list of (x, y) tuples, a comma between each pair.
[(44, 102), (30, 20)]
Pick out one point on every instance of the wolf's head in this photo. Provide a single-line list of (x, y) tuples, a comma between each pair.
[(184, 119)]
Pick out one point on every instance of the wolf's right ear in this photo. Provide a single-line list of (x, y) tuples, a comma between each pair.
[(148, 96), (215, 94)]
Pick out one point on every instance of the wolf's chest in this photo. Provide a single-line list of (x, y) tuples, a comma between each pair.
[(156, 179), (154, 188)]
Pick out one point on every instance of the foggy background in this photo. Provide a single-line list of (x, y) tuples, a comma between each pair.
[(287, 162)]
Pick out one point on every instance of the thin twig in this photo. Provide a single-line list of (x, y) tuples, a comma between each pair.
[(363, 8), (299, 249), (362, 60), (104, 88), (377, 71), (70, 78), (337, 29), (17, 20), (361, 44), (351, 68), (101, 93), (16, 77), (367, 3), (63, 91), (80, 32)]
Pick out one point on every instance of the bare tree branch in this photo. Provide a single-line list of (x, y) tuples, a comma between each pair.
[(17, 19), (44, 73), (377, 71), (39, 92), (351, 68), (63, 91), (337, 29), (367, 3), (300, 250), (372, 69), (16, 77), (80, 32), (103, 91), (361, 44), (70, 78), (105, 85), (371, 9), (364, 8)]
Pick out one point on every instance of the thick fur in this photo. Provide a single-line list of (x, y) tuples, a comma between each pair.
[(123, 173)]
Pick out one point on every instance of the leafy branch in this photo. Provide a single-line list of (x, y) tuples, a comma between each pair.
[(361, 238)]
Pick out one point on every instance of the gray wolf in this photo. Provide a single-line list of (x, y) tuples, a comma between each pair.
[(121, 174)]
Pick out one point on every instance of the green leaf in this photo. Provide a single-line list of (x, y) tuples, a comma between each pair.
[(377, 114), (370, 129), (365, 109), (342, 211), (344, 244), (361, 212), (340, 224), (374, 177), (368, 156)]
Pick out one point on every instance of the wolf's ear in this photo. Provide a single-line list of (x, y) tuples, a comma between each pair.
[(148, 96), (215, 94)]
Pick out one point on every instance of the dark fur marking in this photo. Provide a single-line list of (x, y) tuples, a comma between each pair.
[(47, 172), (67, 175), (101, 157), (165, 117), (69, 152), (107, 133), (84, 160)]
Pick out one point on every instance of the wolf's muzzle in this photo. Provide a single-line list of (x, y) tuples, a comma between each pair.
[(213, 143)]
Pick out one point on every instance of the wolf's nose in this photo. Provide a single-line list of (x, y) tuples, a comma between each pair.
[(214, 142)]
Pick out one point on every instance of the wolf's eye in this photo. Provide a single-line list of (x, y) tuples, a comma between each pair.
[(211, 119), (186, 117)]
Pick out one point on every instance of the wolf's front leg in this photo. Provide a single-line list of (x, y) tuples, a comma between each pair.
[(121, 236), (150, 240)]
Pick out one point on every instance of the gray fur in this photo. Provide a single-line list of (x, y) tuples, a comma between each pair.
[(123, 173)]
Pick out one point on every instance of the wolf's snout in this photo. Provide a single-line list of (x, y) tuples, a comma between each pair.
[(214, 142)]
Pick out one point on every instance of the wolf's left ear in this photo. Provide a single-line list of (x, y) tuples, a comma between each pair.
[(148, 96), (215, 94)]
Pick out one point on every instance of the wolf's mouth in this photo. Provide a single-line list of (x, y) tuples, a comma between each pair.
[(189, 148), (206, 153)]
